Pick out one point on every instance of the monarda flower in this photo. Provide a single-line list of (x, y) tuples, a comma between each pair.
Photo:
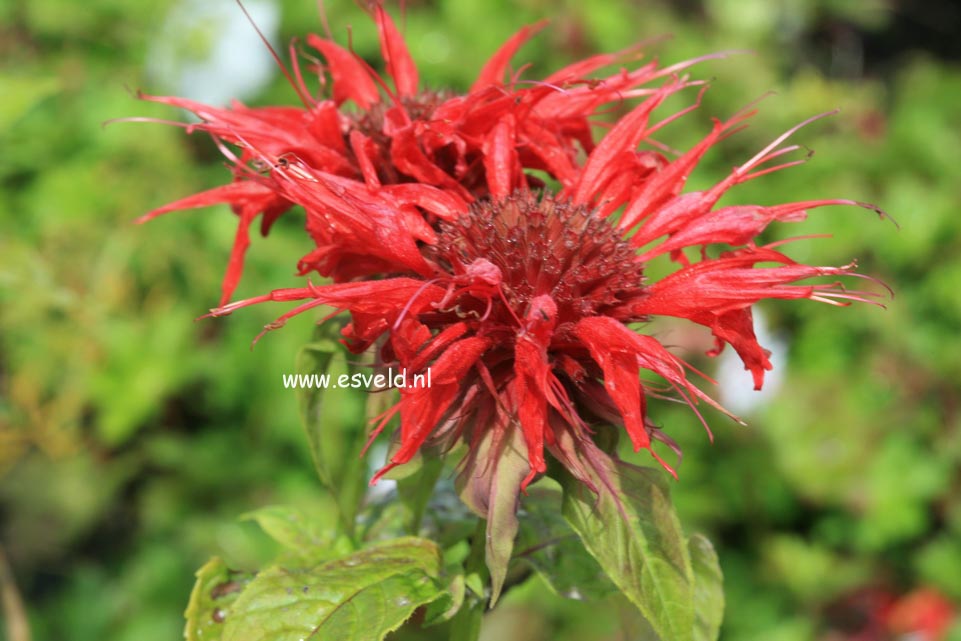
[(526, 303), (426, 154)]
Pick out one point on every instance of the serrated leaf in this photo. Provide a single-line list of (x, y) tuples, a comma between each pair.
[(216, 588), (552, 548), (289, 526), (631, 528), (361, 597), (708, 589), (303, 537)]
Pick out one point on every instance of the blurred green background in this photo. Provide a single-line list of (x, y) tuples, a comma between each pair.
[(132, 437)]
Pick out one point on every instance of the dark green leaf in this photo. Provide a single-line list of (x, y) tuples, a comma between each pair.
[(361, 597), (630, 527), (708, 589)]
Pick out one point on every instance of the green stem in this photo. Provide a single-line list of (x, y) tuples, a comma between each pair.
[(466, 624)]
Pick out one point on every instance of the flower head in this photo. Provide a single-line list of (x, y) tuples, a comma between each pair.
[(428, 153), (523, 303)]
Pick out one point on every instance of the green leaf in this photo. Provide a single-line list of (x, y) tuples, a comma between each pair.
[(289, 526), (315, 358), (215, 590), (490, 486), (547, 543), (631, 528), (449, 604), (303, 536), (361, 597), (708, 589), (416, 489), (336, 437)]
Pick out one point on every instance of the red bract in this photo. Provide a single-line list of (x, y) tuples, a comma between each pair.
[(524, 304), (427, 154)]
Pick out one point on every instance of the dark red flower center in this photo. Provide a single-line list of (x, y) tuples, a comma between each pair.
[(506, 254), (421, 106), (381, 120)]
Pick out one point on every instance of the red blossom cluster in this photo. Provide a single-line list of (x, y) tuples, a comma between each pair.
[(492, 237), (878, 614)]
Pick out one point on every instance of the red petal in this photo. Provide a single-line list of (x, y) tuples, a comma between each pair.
[(500, 159), (353, 218), (325, 126), (248, 199), (624, 137), (387, 298), (668, 182), (421, 408), (613, 347), (737, 328), (529, 393), (533, 386), (443, 204), (730, 282), (493, 71), (554, 153), (408, 338), (400, 65), (601, 333), (583, 68), (366, 154), (409, 158), (735, 225), (242, 194), (718, 294), (351, 79), (437, 344)]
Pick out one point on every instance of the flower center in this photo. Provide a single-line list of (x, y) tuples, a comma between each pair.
[(377, 122), (419, 107), (541, 246)]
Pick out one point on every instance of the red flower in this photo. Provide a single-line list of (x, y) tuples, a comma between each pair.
[(522, 304), (429, 154), (924, 613)]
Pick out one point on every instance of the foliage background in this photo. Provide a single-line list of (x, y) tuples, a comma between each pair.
[(131, 437)]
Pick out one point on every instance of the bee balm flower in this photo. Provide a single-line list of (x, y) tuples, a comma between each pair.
[(429, 153), (525, 302)]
